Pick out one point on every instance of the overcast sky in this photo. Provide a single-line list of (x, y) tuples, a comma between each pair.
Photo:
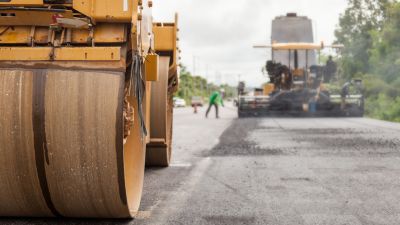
[(219, 34)]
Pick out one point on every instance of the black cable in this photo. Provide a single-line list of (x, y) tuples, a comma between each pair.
[(139, 88)]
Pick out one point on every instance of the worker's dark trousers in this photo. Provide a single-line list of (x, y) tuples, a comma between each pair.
[(209, 108)]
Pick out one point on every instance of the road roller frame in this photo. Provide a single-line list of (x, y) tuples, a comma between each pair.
[(74, 106), (159, 149)]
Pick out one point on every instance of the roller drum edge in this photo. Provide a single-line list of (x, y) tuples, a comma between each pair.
[(158, 152), (61, 142)]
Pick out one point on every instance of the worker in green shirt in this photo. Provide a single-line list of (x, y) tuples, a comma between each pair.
[(215, 100)]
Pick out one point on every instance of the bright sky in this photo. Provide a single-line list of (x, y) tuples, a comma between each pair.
[(217, 35)]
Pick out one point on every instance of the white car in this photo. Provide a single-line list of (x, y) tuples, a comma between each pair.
[(179, 102)]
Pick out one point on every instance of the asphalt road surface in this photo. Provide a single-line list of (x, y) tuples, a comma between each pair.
[(311, 171)]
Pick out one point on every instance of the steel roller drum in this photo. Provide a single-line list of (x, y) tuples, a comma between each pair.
[(62, 150)]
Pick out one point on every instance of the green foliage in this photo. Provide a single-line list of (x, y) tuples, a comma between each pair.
[(230, 92), (374, 86), (385, 54), (334, 88), (190, 86), (391, 106), (354, 31), (370, 31)]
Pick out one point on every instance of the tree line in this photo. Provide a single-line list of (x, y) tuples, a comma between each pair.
[(190, 85), (370, 32)]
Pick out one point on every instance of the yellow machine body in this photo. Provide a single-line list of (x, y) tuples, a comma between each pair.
[(166, 45), (152, 63), (61, 54), (166, 42), (22, 3), (268, 88), (107, 10), (103, 33), (297, 46), (83, 22), (98, 11)]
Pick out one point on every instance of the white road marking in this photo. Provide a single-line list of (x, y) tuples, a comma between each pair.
[(185, 191), (178, 164)]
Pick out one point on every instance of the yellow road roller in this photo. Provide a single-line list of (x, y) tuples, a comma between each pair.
[(75, 106)]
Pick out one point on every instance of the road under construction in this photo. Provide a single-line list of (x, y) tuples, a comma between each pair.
[(86, 102), (270, 171)]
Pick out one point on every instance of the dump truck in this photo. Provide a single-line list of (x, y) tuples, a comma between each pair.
[(297, 84), (77, 107)]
